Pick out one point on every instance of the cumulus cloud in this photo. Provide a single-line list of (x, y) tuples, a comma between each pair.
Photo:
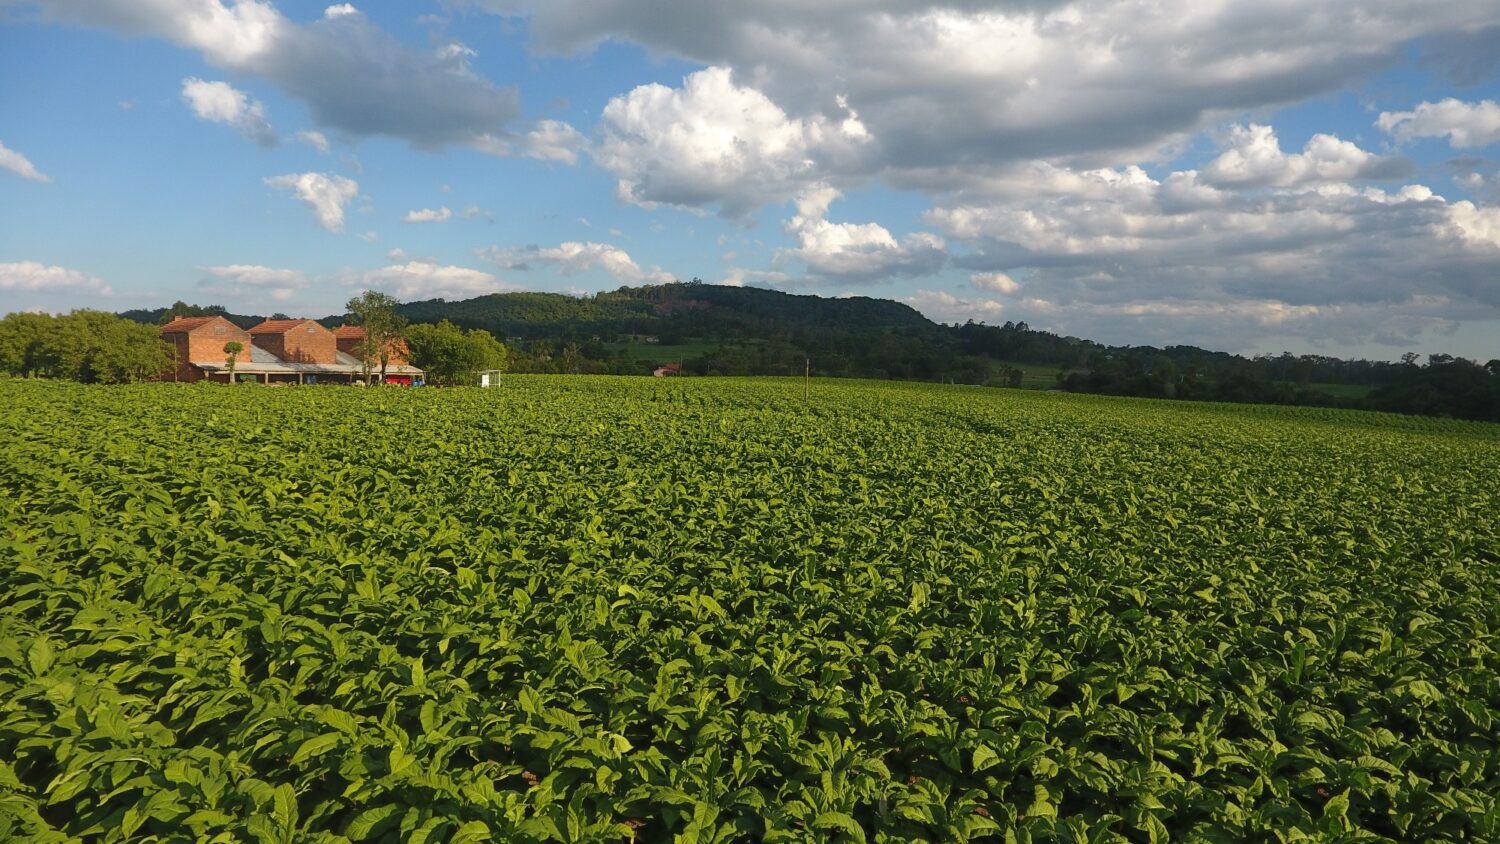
[(325, 192), (996, 281), (1464, 124), (316, 140), (744, 277), (430, 280), (427, 215), (220, 102), (20, 165), (353, 76), (36, 277), (944, 84), (574, 257), (714, 141), (550, 140), (942, 306), (1255, 157), (251, 281), (554, 140), (856, 251), (1217, 265)]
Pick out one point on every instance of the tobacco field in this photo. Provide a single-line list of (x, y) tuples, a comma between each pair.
[(594, 609)]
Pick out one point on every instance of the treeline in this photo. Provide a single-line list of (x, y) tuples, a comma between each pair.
[(94, 347), (715, 330)]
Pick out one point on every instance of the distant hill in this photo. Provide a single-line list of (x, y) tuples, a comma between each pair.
[(680, 309)]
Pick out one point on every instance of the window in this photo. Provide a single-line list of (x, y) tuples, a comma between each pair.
[(311, 330), (218, 329)]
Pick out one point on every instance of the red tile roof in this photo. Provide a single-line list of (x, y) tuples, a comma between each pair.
[(277, 326), (185, 324), (346, 331)]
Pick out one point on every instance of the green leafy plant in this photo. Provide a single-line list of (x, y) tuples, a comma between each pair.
[(594, 609)]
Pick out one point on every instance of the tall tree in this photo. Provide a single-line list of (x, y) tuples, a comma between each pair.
[(384, 328)]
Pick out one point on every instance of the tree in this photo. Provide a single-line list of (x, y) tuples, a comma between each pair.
[(451, 356), (28, 344), (85, 345), (232, 349), (384, 328)]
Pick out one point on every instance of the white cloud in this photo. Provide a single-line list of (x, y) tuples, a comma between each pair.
[(316, 140), (996, 281), (429, 280), (942, 306), (1255, 158), (943, 84), (714, 141), (20, 165), (251, 281), (427, 215), (353, 76), (220, 102), (856, 251), (574, 257), (554, 140), (1476, 224), (743, 277), (1175, 260), (550, 140), (35, 277), (325, 192), (474, 212), (1463, 124), (368, 237), (340, 10)]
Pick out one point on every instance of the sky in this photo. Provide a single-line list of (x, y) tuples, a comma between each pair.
[(1256, 176)]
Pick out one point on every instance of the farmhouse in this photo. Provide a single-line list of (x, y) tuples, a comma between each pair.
[(277, 351)]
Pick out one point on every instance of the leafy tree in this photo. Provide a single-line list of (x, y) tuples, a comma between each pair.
[(384, 328), (451, 356), (28, 344), (232, 349), (85, 345)]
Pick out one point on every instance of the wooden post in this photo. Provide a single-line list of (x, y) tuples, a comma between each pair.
[(806, 378)]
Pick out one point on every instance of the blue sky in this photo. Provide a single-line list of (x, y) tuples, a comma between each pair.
[(1316, 177)]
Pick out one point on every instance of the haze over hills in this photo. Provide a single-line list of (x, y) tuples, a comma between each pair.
[(722, 330)]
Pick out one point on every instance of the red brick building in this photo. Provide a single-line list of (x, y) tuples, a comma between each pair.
[(277, 351), (296, 340), (350, 337), (203, 339)]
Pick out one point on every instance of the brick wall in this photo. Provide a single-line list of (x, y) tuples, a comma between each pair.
[(351, 346), (305, 343), (206, 343)]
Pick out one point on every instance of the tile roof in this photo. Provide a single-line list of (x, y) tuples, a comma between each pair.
[(277, 326), (346, 331), (187, 324)]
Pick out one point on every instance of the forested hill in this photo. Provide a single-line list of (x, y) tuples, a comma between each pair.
[(674, 310)]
